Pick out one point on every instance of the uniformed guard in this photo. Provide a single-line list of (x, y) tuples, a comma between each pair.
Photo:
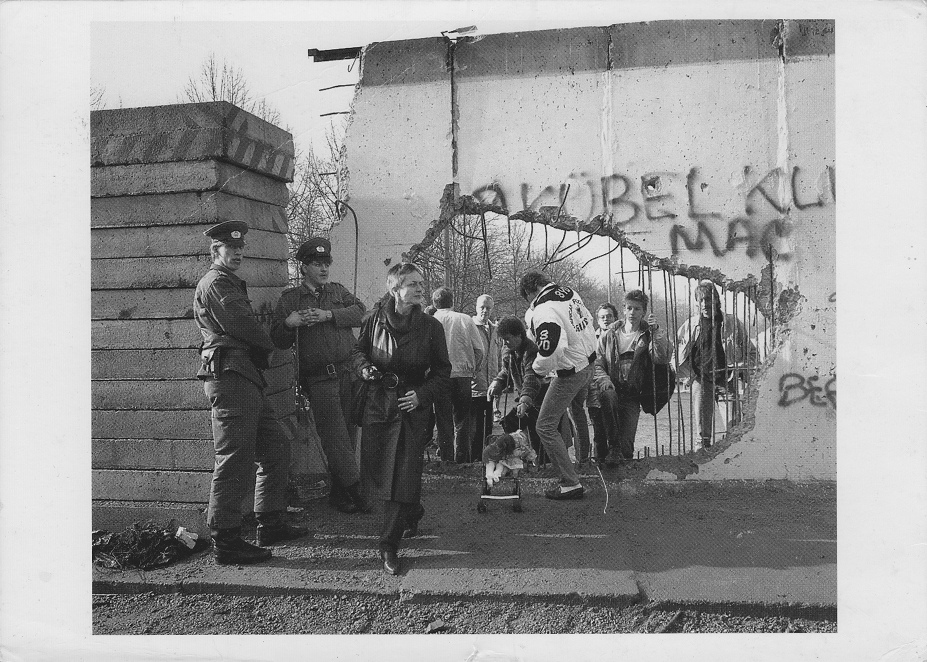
[(318, 316), (235, 350)]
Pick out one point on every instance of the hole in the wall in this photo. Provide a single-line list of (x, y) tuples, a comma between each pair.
[(651, 186), (488, 252)]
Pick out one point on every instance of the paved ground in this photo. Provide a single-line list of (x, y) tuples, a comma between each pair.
[(763, 547)]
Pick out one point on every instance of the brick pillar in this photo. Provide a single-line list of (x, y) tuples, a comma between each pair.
[(159, 177)]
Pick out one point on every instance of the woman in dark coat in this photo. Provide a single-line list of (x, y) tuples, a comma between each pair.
[(402, 355)]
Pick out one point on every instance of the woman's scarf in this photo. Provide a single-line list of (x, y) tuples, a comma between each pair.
[(389, 325)]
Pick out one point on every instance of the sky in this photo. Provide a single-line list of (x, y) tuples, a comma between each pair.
[(273, 58), (271, 55)]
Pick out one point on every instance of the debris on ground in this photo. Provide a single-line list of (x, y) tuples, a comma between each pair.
[(672, 623), (144, 546), (307, 488), (436, 626)]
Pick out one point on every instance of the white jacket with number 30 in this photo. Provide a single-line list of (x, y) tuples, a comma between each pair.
[(562, 328)]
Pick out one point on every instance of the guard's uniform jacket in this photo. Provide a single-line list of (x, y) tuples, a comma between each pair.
[(562, 329), (233, 338), (323, 344), (325, 368)]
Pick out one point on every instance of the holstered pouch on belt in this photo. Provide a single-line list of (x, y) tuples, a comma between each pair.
[(212, 362), (260, 358)]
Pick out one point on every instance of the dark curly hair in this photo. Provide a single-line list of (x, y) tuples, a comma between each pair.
[(511, 326), (639, 296)]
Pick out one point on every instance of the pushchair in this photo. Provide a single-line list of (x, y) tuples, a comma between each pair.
[(505, 456)]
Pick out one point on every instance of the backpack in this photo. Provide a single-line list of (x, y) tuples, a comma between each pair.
[(655, 383)]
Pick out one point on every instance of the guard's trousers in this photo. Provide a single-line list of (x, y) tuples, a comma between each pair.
[(330, 399), (244, 432)]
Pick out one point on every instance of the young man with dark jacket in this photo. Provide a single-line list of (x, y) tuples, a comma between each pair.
[(620, 353), (529, 389)]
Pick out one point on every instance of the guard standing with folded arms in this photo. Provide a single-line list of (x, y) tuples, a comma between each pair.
[(235, 350), (318, 316)]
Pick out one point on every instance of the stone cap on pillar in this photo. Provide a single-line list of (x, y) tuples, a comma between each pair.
[(190, 132)]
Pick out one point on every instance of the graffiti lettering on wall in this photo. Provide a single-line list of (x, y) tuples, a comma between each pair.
[(795, 388), (750, 212)]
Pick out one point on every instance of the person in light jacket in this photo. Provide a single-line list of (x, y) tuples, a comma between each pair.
[(481, 408), (605, 315), (452, 409), (708, 346), (563, 331)]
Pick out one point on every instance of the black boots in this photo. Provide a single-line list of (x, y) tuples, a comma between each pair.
[(347, 499), (339, 499), (230, 549), (390, 561), (353, 492), (411, 528), (272, 529)]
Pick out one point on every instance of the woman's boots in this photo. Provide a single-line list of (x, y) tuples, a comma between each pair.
[(412, 521), (347, 499)]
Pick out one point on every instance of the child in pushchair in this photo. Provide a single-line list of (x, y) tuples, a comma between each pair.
[(505, 455)]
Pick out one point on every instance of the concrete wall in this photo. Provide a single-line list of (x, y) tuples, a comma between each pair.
[(160, 177), (699, 144)]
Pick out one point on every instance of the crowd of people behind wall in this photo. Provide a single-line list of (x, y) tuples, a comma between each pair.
[(417, 373)]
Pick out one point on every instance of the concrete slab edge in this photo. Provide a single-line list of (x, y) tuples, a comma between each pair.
[(196, 587), (400, 591), (817, 612)]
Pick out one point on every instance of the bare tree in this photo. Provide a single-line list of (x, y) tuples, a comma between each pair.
[(495, 265), (223, 81), (312, 210)]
